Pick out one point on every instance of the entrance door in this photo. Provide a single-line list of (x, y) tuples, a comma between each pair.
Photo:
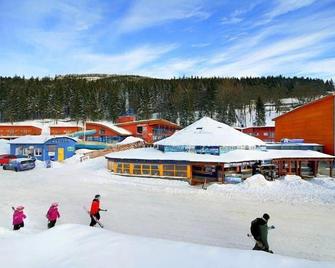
[(60, 154)]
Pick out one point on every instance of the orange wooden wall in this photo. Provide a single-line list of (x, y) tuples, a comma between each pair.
[(15, 130), (61, 130), (313, 122), (107, 132)]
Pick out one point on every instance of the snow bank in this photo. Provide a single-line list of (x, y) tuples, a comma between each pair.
[(130, 139), (82, 246), (4, 147), (290, 189)]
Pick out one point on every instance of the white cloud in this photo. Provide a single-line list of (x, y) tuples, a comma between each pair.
[(285, 6), (127, 62), (149, 13)]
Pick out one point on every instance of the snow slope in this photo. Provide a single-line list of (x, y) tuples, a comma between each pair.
[(81, 246), (302, 211)]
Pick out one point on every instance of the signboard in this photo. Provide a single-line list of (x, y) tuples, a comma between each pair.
[(51, 154), (214, 150), (70, 149)]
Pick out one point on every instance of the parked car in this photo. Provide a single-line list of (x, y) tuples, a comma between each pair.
[(20, 164), (5, 158)]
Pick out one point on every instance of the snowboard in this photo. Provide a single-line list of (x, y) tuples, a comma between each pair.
[(98, 222)]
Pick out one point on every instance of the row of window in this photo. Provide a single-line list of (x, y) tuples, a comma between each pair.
[(150, 169), (265, 134)]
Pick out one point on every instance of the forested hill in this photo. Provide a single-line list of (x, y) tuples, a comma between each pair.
[(95, 97)]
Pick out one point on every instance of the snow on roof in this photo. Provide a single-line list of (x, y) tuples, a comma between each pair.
[(115, 128), (35, 139), (131, 139), (208, 132), (230, 157)]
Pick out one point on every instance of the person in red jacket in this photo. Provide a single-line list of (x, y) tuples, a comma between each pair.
[(95, 209)]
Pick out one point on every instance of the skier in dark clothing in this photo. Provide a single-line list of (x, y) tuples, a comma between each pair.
[(259, 230), (95, 209)]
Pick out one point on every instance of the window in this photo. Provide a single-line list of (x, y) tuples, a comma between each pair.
[(155, 170), (266, 134), (181, 171), (137, 169), (38, 152), (168, 171), (101, 131), (51, 148), (126, 168), (146, 170), (119, 168), (139, 129)]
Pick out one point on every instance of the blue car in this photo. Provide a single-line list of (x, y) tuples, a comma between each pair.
[(20, 164)]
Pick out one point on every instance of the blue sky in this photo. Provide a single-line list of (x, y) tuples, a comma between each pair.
[(169, 38)]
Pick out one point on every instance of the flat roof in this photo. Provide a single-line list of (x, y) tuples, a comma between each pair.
[(40, 139)]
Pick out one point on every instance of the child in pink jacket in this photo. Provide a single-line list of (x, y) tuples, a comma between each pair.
[(52, 215), (18, 218)]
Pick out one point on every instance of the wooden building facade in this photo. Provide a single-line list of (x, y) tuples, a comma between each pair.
[(204, 172), (313, 122), (15, 131), (106, 133), (64, 130), (150, 130)]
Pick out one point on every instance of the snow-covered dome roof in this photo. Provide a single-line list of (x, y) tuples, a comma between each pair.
[(208, 132)]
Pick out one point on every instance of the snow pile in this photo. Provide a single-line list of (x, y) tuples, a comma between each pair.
[(82, 246), (257, 181), (130, 140), (4, 147)]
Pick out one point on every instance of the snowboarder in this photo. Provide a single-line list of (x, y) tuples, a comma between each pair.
[(259, 230), (95, 209), (52, 215), (18, 217)]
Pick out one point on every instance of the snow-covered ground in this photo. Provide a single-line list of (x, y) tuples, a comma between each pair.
[(302, 211), (78, 246)]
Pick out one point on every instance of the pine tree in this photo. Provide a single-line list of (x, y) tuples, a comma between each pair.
[(260, 112)]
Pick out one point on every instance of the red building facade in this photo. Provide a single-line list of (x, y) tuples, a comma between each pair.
[(264, 133)]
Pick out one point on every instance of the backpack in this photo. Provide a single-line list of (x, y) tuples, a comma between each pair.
[(254, 228)]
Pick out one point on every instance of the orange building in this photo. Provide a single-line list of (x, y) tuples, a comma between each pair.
[(14, 131), (105, 132), (264, 133), (150, 130), (313, 122), (64, 130)]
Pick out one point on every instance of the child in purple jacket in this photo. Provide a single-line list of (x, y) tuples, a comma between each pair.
[(52, 215), (18, 218)]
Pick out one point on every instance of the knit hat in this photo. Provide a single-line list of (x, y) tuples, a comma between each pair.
[(97, 196), (266, 216), (54, 204), (20, 208)]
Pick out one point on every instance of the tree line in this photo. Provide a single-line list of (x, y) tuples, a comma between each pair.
[(181, 100)]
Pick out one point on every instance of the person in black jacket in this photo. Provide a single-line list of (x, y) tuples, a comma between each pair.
[(259, 230)]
